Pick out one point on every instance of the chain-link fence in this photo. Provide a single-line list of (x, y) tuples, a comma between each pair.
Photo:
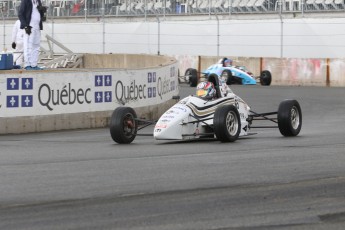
[(277, 34)]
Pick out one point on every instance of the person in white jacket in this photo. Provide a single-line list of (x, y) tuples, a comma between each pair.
[(17, 43)]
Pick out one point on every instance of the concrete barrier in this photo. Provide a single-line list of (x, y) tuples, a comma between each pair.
[(37, 101), (30, 124)]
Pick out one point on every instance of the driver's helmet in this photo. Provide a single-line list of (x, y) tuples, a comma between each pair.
[(205, 90), (227, 62)]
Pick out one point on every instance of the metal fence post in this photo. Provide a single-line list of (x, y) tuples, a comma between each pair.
[(3, 19), (103, 22), (85, 10), (159, 34), (281, 31), (218, 35)]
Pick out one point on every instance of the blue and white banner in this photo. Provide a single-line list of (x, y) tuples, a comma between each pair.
[(54, 92)]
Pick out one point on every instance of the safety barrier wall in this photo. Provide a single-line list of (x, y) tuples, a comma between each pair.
[(36, 101), (285, 71)]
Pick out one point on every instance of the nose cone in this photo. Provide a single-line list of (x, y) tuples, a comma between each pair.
[(169, 125)]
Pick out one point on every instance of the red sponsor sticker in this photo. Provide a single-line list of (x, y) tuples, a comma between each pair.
[(160, 126)]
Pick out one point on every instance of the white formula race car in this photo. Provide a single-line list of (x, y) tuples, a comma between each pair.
[(225, 117)]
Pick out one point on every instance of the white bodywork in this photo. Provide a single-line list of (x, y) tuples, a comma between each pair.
[(193, 116)]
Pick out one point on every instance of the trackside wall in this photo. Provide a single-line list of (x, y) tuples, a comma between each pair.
[(285, 71), (36, 101)]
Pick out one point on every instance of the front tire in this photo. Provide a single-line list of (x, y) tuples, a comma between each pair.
[(289, 118), (123, 126), (193, 77), (227, 74), (227, 123), (265, 78)]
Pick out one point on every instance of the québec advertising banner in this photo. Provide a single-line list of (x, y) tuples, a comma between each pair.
[(59, 92)]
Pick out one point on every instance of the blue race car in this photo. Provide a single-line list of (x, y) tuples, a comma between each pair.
[(230, 74)]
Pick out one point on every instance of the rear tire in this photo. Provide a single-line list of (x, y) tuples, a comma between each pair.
[(227, 74), (289, 118), (123, 126), (227, 123), (265, 78), (193, 77)]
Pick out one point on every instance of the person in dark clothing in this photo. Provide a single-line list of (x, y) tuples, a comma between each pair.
[(31, 15)]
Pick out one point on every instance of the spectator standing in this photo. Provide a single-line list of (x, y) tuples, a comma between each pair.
[(77, 6), (17, 43), (31, 13)]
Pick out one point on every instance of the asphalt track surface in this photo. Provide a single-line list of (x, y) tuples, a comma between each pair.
[(83, 180)]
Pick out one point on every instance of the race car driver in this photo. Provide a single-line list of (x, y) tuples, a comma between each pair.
[(206, 90), (226, 62)]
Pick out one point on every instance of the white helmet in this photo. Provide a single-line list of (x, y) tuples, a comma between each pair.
[(206, 90)]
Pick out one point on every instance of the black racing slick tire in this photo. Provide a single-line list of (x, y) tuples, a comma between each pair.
[(227, 75), (265, 78), (193, 77), (123, 126), (227, 123), (289, 118)]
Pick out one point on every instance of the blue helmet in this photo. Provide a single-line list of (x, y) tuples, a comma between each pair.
[(226, 62)]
